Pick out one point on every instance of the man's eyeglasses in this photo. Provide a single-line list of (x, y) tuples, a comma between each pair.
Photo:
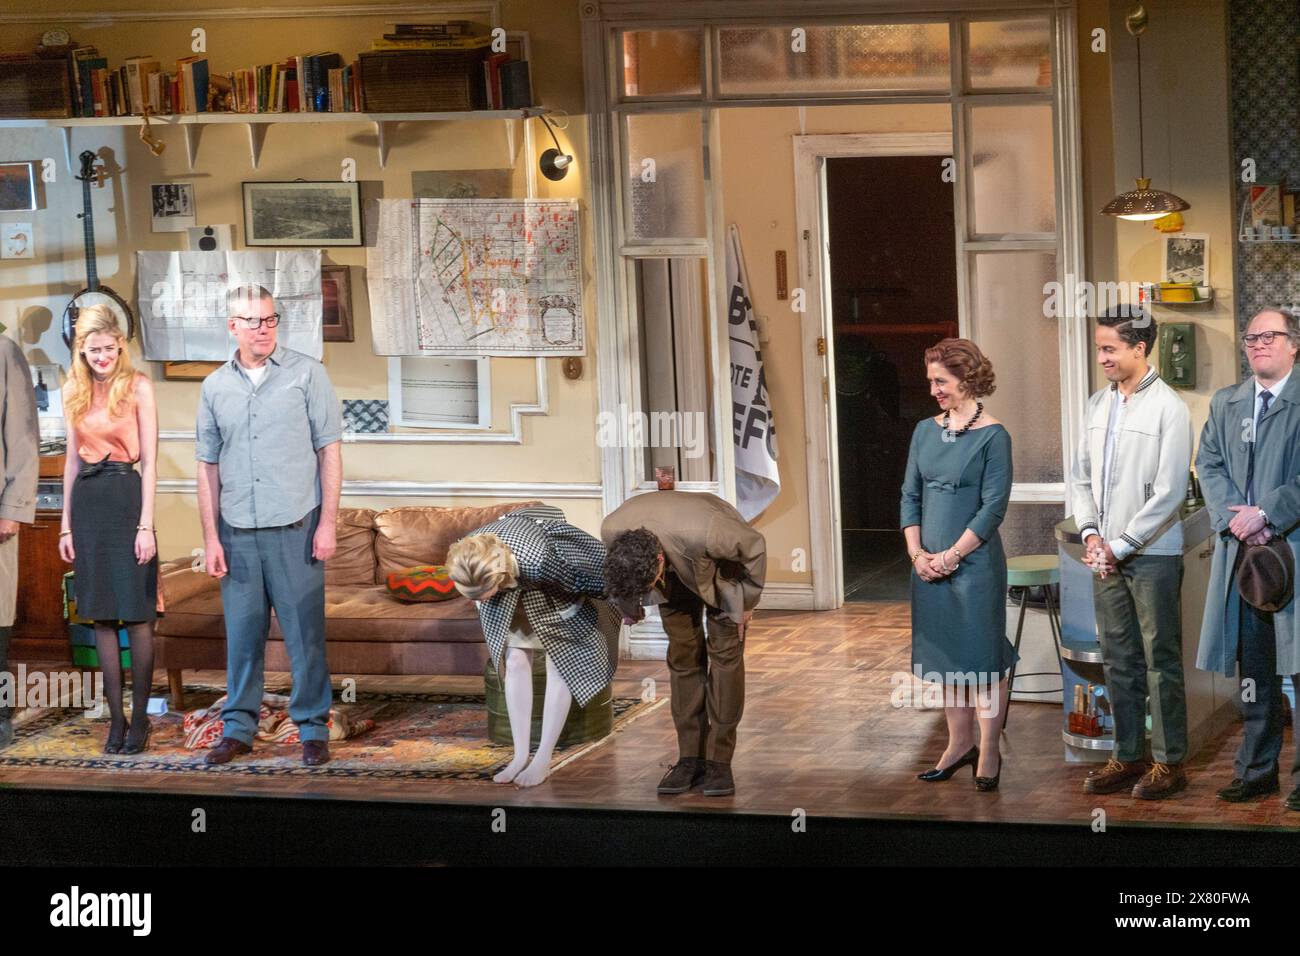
[(255, 322), (1265, 337)]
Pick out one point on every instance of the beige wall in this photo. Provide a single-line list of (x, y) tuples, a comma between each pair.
[(1188, 152), (559, 447)]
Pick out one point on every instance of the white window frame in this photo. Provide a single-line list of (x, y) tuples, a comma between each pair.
[(601, 21)]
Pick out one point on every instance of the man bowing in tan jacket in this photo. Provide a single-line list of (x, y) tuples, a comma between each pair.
[(692, 553)]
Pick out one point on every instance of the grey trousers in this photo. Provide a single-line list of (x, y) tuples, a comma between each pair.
[(273, 568), (1261, 745), (1139, 620)]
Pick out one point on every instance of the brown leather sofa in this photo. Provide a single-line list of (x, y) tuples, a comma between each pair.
[(366, 630)]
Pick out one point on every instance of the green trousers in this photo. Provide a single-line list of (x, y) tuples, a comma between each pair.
[(1140, 626)]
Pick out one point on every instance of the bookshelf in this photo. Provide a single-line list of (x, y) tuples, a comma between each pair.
[(259, 123)]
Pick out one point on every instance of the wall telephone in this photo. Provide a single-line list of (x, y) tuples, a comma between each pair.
[(1177, 349)]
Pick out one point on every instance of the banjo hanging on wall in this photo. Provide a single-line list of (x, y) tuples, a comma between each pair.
[(94, 293)]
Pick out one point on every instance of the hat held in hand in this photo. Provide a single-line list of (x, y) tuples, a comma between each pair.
[(1266, 577)]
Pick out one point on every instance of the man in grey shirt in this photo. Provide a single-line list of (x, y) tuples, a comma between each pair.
[(270, 467)]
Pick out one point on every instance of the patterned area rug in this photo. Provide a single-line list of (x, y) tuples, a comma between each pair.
[(416, 737)]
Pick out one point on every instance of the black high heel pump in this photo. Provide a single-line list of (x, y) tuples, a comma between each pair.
[(971, 757), (138, 743), (986, 784)]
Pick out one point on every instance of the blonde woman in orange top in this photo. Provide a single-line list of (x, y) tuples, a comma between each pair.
[(108, 509)]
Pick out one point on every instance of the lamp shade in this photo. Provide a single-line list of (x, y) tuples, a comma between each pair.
[(1144, 203)]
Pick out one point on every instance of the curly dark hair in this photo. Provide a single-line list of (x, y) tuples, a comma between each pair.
[(1133, 324), (631, 563), (963, 358)]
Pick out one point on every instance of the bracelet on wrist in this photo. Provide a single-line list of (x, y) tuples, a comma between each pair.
[(917, 553), (62, 533)]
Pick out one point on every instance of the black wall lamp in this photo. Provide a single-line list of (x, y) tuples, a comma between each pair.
[(555, 162)]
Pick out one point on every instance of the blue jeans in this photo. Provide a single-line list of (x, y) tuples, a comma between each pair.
[(273, 568)]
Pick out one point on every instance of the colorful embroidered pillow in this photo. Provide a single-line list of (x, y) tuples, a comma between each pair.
[(424, 582)]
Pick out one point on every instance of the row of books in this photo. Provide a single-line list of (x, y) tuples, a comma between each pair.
[(137, 83), (313, 82)]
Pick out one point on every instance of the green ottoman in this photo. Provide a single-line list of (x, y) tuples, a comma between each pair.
[(592, 722)]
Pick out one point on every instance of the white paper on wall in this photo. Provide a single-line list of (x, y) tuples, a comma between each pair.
[(476, 277), (182, 300)]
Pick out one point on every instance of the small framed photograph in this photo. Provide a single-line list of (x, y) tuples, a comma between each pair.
[(16, 240), (173, 206), (1187, 258), (430, 392), (17, 187), (336, 303), (302, 214)]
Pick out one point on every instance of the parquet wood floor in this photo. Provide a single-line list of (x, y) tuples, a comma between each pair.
[(819, 734)]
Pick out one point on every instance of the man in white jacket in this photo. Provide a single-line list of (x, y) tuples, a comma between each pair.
[(1126, 485)]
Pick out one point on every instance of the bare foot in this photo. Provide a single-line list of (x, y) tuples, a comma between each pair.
[(511, 770), (536, 773)]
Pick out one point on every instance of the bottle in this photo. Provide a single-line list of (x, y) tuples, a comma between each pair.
[(1193, 491)]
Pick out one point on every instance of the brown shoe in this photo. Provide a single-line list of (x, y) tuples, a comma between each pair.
[(227, 750), (1162, 780), (717, 779), (1116, 775), (682, 776), (315, 752)]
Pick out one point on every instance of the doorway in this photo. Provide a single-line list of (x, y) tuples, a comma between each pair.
[(890, 239)]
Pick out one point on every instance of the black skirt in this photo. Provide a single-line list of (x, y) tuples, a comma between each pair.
[(110, 584)]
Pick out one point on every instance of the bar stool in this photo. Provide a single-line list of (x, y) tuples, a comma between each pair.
[(1026, 571)]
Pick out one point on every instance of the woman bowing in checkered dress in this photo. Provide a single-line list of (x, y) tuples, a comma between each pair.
[(538, 582)]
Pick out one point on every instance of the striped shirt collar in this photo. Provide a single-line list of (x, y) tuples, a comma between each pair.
[(1147, 379)]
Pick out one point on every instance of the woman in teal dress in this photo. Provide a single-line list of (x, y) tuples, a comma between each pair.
[(955, 494)]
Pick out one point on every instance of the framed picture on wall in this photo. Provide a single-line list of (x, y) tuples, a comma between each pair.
[(17, 187), (1187, 258), (302, 214), (173, 206), (432, 392), (336, 303)]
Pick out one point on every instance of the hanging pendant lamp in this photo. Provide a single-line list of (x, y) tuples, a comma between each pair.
[(1144, 202)]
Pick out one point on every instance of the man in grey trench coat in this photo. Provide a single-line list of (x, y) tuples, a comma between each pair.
[(1249, 467)]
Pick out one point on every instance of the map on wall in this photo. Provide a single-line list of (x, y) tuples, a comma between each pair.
[(476, 277), (182, 301)]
